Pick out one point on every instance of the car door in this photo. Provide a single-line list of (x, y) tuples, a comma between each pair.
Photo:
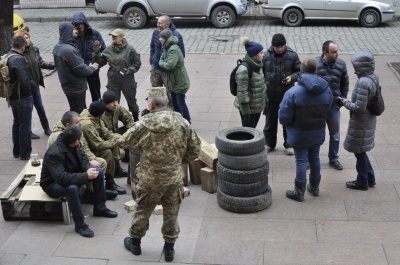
[(163, 7), (341, 9), (312, 8), (191, 7)]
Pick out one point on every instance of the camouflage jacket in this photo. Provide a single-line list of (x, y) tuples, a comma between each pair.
[(97, 135), (120, 114), (165, 139), (58, 128)]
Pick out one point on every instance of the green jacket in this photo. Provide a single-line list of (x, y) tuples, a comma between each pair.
[(172, 61), (250, 99), (99, 138), (120, 114)]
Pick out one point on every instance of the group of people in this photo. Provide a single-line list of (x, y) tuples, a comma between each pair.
[(305, 109)]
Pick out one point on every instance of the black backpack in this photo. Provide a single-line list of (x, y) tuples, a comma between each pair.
[(377, 105), (232, 80)]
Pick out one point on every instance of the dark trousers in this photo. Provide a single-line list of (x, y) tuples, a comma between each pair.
[(38, 103), (365, 172), (71, 192), (77, 101), (271, 125), (94, 85), (127, 85), (179, 103), (254, 119), (22, 126)]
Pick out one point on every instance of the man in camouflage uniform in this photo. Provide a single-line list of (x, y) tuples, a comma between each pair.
[(73, 118), (166, 140), (102, 142)]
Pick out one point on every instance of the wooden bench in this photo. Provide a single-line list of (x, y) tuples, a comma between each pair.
[(24, 199)]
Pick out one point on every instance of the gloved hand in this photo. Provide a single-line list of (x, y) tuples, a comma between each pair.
[(246, 121), (126, 71), (51, 66), (339, 102), (144, 112)]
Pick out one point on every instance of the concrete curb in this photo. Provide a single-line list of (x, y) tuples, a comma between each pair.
[(393, 70)]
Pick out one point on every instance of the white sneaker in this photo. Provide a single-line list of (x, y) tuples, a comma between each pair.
[(289, 151)]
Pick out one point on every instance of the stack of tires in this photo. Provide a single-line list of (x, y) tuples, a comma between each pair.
[(242, 170)]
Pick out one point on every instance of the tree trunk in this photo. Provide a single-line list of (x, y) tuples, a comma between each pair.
[(6, 25)]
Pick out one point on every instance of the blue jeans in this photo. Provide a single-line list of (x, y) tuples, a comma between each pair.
[(178, 100), (301, 155), (365, 172), (71, 192), (38, 103), (22, 125), (333, 122)]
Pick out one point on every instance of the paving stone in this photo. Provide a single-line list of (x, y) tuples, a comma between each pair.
[(45, 260), (388, 211)]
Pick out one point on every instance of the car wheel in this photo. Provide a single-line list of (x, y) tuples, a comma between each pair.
[(293, 17), (223, 17), (135, 18), (240, 141), (370, 18)]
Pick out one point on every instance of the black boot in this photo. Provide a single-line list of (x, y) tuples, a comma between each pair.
[(119, 171), (313, 186), (126, 157), (356, 185), (133, 245), (169, 251), (135, 116), (111, 194), (111, 185), (34, 136), (46, 127), (298, 193)]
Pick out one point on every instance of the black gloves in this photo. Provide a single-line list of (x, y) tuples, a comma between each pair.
[(246, 120), (339, 102)]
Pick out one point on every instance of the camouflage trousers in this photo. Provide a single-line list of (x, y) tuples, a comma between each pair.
[(170, 198)]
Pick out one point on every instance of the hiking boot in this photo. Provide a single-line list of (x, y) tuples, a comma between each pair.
[(169, 251), (298, 193), (84, 231), (34, 136), (289, 151), (336, 164), (119, 171), (133, 245), (111, 185)]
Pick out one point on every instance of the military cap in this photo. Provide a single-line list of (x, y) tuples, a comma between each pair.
[(156, 92)]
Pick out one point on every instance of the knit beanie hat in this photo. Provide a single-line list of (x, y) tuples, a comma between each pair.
[(109, 97), (278, 40), (97, 108), (166, 33), (252, 47)]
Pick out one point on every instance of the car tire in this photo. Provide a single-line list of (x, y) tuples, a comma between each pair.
[(240, 141), (243, 177), (223, 17), (370, 18), (243, 190), (244, 205), (135, 18), (293, 17), (243, 162)]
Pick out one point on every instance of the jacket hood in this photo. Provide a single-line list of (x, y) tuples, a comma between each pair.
[(363, 63), (79, 17), (313, 83), (58, 127), (160, 120), (66, 32), (172, 27), (85, 115), (171, 40)]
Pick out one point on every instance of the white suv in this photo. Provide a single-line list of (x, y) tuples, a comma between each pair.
[(136, 13)]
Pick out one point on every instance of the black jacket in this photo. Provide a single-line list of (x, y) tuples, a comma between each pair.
[(20, 74), (278, 67), (60, 165), (336, 75)]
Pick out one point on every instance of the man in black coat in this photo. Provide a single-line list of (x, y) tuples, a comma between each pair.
[(65, 169)]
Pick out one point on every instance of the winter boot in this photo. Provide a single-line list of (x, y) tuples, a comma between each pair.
[(135, 116), (359, 184), (133, 245), (313, 186), (111, 185), (119, 171), (169, 251), (298, 193), (126, 157)]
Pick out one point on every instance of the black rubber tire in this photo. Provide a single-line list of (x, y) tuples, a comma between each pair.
[(135, 18), (243, 162), (243, 177), (243, 190), (293, 17), (240, 141), (244, 205), (370, 18), (223, 17)]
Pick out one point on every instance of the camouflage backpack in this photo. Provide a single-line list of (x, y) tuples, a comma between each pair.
[(5, 84)]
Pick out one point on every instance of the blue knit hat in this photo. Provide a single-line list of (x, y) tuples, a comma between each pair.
[(252, 47)]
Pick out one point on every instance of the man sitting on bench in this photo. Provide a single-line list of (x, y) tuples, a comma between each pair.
[(65, 168)]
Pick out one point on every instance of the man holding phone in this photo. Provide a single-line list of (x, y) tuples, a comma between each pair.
[(281, 66)]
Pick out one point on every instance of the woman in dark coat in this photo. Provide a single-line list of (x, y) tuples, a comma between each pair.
[(361, 131)]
